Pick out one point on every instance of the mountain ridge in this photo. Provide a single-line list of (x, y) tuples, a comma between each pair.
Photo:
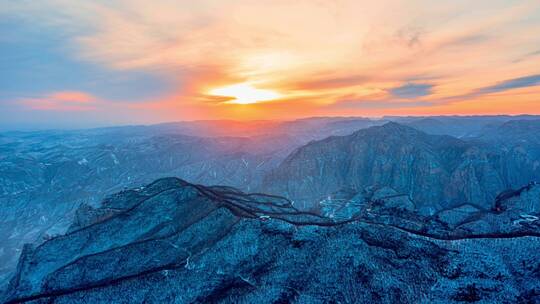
[(183, 230)]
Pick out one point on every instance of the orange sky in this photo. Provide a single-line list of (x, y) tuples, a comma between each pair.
[(290, 59)]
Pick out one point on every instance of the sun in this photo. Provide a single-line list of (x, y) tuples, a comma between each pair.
[(244, 93)]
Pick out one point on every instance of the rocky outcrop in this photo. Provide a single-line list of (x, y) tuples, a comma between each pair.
[(173, 241)]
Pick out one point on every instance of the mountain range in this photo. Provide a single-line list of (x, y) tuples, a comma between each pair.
[(378, 200)]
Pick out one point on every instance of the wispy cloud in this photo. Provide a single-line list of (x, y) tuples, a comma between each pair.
[(61, 101), (379, 104), (530, 55), (411, 90), (510, 84)]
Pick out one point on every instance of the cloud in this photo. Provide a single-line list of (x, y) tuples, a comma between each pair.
[(332, 82), (411, 37), (501, 86), (379, 104), (412, 90), (510, 84), (465, 41), (61, 101), (127, 50), (527, 56), (72, 97)]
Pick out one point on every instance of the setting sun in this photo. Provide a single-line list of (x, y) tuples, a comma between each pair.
[(244, 94)]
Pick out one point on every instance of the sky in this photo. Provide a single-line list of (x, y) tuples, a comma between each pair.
[(69, 63)]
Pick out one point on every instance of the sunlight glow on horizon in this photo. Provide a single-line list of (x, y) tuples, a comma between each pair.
[(244, 93), (135, 62)]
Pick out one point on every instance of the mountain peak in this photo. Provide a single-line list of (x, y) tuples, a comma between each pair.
[(399, 134), (392, 125), (392, 129), (426, 167)]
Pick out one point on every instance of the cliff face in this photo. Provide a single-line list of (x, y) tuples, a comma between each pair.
[(173, 241), (433, 170)]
